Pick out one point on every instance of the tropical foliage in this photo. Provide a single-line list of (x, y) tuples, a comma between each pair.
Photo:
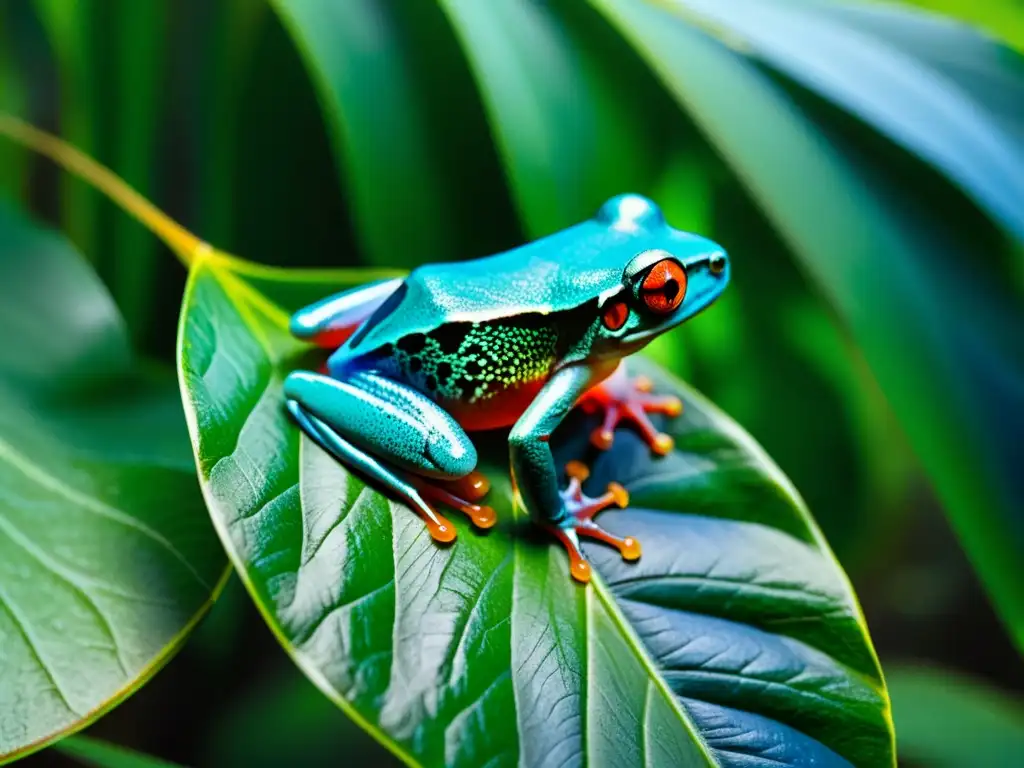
[(862, 163)]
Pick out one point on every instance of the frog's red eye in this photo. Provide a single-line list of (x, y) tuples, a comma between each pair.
[(664, 287), (615, 315)]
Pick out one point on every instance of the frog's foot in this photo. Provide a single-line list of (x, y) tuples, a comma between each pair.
[(623, 400), (581, 510), (461, 495)]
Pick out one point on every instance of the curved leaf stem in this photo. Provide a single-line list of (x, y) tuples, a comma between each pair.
[(186, 246)]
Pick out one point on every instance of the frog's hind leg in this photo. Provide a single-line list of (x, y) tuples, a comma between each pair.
[(440, 528), (396, 436), (330, 322)]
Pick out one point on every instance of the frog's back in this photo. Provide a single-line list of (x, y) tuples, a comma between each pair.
[(481, 337), (548, 276)]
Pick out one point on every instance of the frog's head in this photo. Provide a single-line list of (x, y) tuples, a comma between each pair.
[(669, 276)]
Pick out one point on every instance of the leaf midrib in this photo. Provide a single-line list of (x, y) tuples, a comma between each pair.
[(654, 677), (598, 587)]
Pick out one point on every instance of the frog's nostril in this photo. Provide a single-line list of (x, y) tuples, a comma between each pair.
[(718, 262)]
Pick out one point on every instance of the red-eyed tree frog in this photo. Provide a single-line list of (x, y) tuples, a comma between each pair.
[(513, 340)]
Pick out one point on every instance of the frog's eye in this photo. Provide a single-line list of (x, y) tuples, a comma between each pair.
[(664, 287), (615, 315)]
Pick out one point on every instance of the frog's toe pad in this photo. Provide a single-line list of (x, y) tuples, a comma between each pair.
[(582, 509), (569, 536), (621, 400), (579, 568), (440, 528), (483, 516), (628, 547), (472, 487)]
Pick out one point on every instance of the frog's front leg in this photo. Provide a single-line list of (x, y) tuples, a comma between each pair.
[(330, 322), (619, 398), (396, 436), (567, 514)]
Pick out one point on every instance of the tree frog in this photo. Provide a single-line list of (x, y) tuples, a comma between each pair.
[(513, 340)]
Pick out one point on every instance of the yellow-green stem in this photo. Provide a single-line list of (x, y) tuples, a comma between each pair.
[(185, 245)]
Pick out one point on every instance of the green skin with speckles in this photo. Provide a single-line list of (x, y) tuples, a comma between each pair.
[(513, 339), (466, 364)]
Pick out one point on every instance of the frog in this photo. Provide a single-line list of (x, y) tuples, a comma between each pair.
[(510, 341)]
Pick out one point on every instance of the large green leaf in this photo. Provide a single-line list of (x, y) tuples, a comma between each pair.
[(106, 558), (14, 87), (736, 638), (971, 61), (570, 130), (367, 79), (851, 56), (140, 67), (68, 28), (938, 330)]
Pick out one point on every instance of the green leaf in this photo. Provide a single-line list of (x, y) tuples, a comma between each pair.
[(1001, 18), (69, 29), (100, 754), (228, 49), (945, 719), (140, 59), (13, 100), (364, 69), (939, 331), (849, 55), (106, 558), (568, 133), (972, 61), (735, 637)]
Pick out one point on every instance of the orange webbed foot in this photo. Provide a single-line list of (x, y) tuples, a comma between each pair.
[(582, 509), (620, 399), (461, 495)]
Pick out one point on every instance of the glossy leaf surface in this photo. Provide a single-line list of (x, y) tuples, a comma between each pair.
[(106, 558), (735, 638), (864, 60)]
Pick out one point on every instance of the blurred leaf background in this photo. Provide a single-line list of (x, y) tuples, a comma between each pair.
[(387, 133)]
